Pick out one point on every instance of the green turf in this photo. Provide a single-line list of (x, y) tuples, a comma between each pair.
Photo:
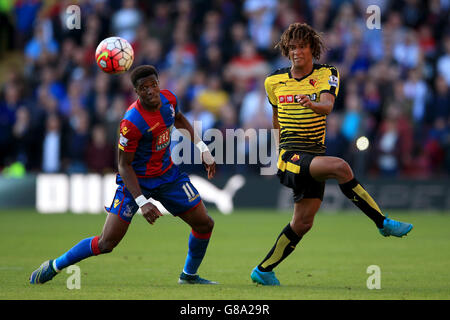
[(329, 263)]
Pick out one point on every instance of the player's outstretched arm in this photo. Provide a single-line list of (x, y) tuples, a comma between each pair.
[(208, 160), (149, 211)]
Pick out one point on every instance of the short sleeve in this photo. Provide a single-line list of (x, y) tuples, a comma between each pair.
[(331, 83), (270, 94), (172, 99), (129, 136)]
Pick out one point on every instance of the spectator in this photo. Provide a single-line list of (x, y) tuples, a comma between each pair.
[(52, 145), (25, 16), (352, 118), (372, 99), (181, 59), (261, 15), (98, 99), (238, 35), (197, 85), (112, 119), (415, 89), (247, 67), (152, 54), (24, 139), (126, 20), (8, 109), (213, 61), (434, 144), (74, 99), (335, 141), (388, 150), (256, 111), (438, 106), (426, 41), (407, 52), (161, 25), (100, 156), (443, 62), (214, 97), (49, 80), (211, 34), (198, 113), (77, 141), (41, 48)]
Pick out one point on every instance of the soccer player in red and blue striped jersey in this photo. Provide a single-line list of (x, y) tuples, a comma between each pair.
[(146, 171)]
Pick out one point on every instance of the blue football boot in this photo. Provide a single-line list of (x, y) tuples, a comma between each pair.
[(43, 274), (193, 279), (264, 278), (395, 228)]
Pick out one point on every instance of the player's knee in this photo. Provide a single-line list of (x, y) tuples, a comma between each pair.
[(106, 246), (343, 169), (209, 225), (206, 227)]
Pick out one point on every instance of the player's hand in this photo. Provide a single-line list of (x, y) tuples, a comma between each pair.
[(304, 100), (209, 163), (150, 212)]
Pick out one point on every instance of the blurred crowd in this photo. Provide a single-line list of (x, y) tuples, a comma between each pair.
[(60, 113)]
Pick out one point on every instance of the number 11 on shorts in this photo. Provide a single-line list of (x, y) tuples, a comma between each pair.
[(189, 192)]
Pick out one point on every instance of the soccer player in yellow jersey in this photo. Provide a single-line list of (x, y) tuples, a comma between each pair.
[(302, 96)]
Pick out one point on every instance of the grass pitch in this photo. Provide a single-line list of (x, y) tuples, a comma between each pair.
[(330, 262)]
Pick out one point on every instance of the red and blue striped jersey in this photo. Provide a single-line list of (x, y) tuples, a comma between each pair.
[(147, 133)]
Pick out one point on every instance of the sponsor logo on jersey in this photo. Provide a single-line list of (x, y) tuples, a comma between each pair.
[(333, 81), (163, 140), (123, 141)]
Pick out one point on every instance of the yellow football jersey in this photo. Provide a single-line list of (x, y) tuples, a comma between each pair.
[(301, 128)]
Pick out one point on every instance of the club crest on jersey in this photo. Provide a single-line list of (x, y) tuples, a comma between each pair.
[(124, 131), (312, 82)]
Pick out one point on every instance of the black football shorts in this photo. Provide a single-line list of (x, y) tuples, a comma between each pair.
[(293, 172)]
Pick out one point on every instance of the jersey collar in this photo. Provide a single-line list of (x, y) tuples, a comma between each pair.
[(315, 65)]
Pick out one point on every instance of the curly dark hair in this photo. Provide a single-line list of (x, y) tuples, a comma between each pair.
[(142, 72), (305, 33)]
